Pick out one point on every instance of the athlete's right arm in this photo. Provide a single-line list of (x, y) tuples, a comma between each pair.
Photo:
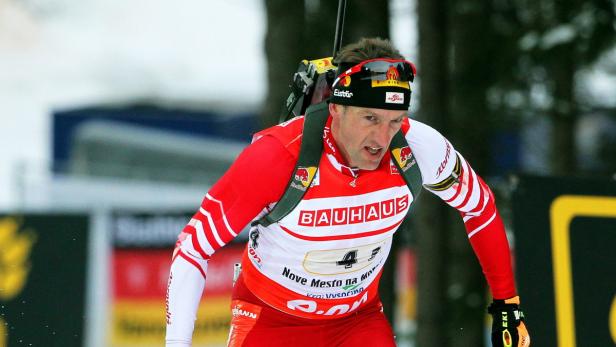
[(257, 177)]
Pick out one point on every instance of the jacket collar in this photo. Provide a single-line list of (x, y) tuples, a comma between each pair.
[(333, 153)]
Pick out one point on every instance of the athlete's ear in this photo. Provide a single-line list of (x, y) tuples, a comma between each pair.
[(335, 110)]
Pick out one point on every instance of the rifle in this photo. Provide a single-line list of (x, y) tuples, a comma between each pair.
[(312, 82)]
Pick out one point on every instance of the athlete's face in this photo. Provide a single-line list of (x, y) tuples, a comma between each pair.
[(363, 134)]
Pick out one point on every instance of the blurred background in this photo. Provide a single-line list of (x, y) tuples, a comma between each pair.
[(117, 116)]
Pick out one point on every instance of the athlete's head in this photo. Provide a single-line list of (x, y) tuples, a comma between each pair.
[(370, 97)]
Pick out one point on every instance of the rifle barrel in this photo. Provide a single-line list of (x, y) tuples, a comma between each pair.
[(339, 26)]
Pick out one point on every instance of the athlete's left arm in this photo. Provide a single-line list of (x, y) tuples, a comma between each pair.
[(448, 175)]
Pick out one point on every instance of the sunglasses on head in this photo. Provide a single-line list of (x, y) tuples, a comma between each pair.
[(382, 69)]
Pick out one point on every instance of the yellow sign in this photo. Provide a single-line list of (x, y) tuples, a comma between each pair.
[(562, 211), (142, 322), (3, 333), (15, 251), (613, 320)]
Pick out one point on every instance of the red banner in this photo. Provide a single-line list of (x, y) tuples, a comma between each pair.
[(139, 286)]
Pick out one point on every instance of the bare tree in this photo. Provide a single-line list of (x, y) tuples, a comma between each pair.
[(432, 226), (471, 131), (284, 43)]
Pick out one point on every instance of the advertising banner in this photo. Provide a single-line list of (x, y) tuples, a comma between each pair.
[(43, 259), (565, 237), (143, 245)]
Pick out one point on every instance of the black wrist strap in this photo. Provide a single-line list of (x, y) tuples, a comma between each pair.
[(505, 315)]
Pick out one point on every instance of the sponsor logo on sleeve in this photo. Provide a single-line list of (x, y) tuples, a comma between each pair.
[(441, 167)]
